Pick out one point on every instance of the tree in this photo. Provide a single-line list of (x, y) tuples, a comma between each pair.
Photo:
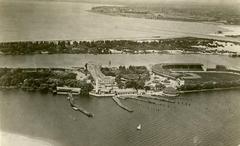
[(85, 89), (160, 86), (75, 44), (147, 88)]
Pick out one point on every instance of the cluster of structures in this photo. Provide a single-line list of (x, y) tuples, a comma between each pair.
[(105, 86), (173, 75), (193, 76), (167, 79)]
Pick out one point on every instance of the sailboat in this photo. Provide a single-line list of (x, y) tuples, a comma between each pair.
[(139, 127)]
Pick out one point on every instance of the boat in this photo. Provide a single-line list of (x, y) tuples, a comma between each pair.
[(75, 108), (68, 98), (139, 127)]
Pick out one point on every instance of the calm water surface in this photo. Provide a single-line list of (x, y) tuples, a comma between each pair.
[(211, 118), (34, 20), (70, 60)]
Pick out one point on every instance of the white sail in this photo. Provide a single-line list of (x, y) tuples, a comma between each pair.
[(139, 127)]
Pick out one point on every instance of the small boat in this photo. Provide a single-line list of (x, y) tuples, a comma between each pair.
[(68, 98), (139, 127), (75, 108)]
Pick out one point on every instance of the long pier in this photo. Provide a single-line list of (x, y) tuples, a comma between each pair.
[(118, 102), (139, 99), (144, 100), (148, 97), (78, 108), (158, 98)]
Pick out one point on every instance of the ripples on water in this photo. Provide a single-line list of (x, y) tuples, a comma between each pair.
[(211, 119)]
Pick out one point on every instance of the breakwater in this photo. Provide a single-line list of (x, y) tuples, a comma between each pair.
[(78, 108)]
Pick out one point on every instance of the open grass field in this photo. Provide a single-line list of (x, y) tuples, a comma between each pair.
[(213, 77)]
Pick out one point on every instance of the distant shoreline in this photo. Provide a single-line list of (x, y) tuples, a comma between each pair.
[(168, 14)]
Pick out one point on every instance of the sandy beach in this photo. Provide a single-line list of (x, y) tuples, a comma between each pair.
[(10, 139)]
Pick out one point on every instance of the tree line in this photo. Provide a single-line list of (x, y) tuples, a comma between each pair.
[(101, 46), (44, 80)]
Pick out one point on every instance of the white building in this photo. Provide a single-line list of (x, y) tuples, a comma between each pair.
[(67, 90)]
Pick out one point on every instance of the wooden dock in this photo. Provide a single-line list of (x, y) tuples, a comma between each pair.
[(118, 102), (158, 98), (147, 97)]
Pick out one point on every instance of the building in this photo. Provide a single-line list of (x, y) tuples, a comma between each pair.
[(176, 73), (103, 84), (171, 92), (67, 90), (128, 91)]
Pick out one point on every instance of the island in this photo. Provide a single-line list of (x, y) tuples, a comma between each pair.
[(184, 45), (55, 80), (162, 80), (196, 13)]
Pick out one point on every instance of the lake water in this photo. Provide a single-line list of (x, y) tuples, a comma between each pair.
[(76, 60), (33, 20), (213, 118)]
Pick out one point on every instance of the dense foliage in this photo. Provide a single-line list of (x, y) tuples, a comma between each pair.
[(131, 77), (104, 47), (44, 80)]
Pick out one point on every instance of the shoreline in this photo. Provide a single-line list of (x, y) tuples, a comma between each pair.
[(134, 12), (50, 87), (13, 139), (167, 19), (45, 80), (144, 38), (181, 45), (205, 90)]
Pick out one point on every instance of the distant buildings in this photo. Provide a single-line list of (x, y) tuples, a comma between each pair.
[(171, 70), (103, 84), (174, 72)]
